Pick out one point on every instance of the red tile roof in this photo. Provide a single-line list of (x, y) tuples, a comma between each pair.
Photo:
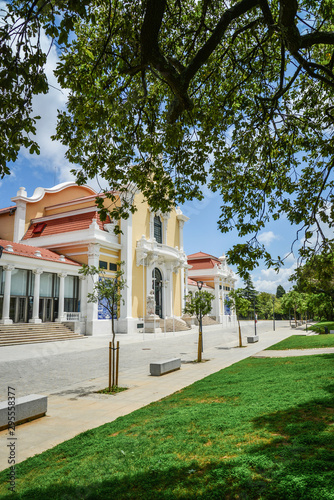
[(7, 210), (201, 260), (29, 251), (202, 255), (65, 224)]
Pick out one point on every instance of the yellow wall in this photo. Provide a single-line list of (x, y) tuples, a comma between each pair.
[(140, 226), (81, 256), (110, 258), (37, 209), (69, 208), (7, 226)]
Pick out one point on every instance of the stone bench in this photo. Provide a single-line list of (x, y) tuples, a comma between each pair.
[(26, 408), (165, 366), (254, 338)]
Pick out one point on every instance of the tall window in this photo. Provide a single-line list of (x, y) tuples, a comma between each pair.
[(157, 229), (71, 293)]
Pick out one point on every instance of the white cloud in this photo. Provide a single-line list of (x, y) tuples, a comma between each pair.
[(268, 279), (267, 237), (52, 153)]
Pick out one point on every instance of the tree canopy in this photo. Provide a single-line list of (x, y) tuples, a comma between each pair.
[(171, 95), (280, 291), (198, 304)]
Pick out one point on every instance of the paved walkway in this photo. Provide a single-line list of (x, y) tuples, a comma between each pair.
[(294, 352), (78, 408)]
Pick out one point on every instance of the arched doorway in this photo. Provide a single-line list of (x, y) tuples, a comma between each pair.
[(157, 287)]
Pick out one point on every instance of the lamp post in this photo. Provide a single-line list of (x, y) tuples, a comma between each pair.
[(255, 318), (200, 336), (274, 313)]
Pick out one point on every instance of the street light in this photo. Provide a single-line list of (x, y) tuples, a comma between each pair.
[(255, 317), (274, 313), (200, 336)]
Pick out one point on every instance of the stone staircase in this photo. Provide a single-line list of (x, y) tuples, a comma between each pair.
[(27, 333)]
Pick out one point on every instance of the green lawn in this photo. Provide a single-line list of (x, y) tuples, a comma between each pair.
[(260, 429), (304, 342), (320, 327)]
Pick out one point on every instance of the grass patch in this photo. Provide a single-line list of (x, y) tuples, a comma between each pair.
[(303, 342), (260, 429), (115, 389), (320, 327)]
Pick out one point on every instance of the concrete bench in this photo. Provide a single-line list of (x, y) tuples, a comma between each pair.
[(165, 366), (254, 338), (26, 408)]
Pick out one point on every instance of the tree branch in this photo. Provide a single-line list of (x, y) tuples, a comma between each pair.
[(204, 52), (326, 38)]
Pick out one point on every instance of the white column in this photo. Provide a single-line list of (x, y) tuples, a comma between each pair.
[(6, 296), (182, 290), (35, 307), (181, 224), (61, 316), (149, 270), (186, 279), (151, 224), (83, 296), (126, 323), (92, 307), (217, 305), (145, 292), (20, 214), (169, 292), (165, 219)]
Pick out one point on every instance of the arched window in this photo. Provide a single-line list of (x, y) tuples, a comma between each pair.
[(157, 229)]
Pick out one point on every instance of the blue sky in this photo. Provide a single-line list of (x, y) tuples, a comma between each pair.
[(200, 232)]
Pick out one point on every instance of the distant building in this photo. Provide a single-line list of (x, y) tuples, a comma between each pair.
[(45, 238), (218, 279)]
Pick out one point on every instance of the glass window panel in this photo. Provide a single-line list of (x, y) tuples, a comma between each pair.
[(2, 280), (31, 283), (157, 229), (19, 282), (56, 280), (46, 285), (69, 287)]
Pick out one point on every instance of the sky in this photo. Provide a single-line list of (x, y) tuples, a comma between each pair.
[(201, 232)]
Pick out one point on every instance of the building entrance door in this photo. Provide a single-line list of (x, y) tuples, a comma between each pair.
[(46, 309), (157, 287), (18, 311)]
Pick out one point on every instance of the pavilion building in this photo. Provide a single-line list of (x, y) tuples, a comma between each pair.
[(45, 238), (218, 279)]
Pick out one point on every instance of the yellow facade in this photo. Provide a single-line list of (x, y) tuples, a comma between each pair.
[(149, 264), (6, 227)]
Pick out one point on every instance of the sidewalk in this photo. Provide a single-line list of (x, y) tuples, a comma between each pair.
[(78, 408)]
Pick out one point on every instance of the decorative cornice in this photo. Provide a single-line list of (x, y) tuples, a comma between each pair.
[(40, 192)]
